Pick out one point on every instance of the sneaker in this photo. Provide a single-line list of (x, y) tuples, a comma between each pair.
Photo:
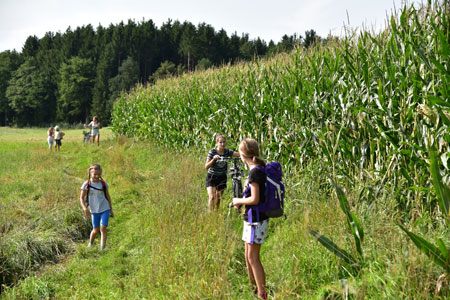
[(102, 247), (89, 245)]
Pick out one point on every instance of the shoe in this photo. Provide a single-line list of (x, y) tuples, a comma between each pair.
[(102, 247), (89, 245)]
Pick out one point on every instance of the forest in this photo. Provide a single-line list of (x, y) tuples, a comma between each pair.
[(70, 77)]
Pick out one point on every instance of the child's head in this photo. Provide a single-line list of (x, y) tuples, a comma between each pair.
[(95, 172), (50, 129), (220, 141), (249, 151), (95, 118), (56, 128)]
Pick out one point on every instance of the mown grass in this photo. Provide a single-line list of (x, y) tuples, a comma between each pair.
[(163, 243)]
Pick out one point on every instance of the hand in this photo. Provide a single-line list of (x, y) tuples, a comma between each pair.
[(216, 157), (87, 213), (111, 214)]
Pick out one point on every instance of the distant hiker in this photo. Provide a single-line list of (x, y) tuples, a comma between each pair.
[(50, 138), (58, 137), (217, 165), (254, 233), (95, 130), (95, 194)]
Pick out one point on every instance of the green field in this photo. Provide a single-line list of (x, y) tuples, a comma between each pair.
[(163, 243)]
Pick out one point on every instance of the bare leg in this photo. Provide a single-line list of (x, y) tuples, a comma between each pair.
[(93, 139), (93, 235), (218, 198), (212, 195), (103, 235), (249, 269), (253, 260), (98, 140)]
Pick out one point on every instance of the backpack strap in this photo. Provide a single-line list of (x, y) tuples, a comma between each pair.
[(103, 187), (86, 200), (278, 189)]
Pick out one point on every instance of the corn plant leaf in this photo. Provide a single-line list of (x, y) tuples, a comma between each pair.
[(357, 239), (442, 248), (406, 175), (332, 247), (421, 54), (442, 190), (443, 41), (444, 117), (439, 101), (433, 252), (357, 225), (438, 65), (343, 202)]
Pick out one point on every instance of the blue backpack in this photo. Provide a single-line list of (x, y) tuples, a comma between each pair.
[(274, 194)]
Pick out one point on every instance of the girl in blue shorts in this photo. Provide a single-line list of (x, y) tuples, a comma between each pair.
[(99, 201)]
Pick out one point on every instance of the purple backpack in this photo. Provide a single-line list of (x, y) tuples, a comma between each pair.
[(274, 194)]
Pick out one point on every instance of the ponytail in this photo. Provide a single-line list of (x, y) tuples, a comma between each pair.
[(259, 161)]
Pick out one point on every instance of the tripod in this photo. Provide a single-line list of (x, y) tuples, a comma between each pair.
[(236, 181)]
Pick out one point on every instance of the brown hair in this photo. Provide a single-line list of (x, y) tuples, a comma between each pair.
[(219, 136), (249, 149)]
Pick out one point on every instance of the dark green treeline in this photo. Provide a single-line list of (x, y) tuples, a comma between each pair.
[(71, 76)]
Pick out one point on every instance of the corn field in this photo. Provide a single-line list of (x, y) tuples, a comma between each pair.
[(369, 105)]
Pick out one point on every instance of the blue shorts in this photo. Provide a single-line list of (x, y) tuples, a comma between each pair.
[(100, 219)]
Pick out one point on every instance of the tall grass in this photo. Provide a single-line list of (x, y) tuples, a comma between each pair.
[(368, 105)]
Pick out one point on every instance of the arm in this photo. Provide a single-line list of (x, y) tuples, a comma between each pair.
[(87, 213), (209, 162), (252, 200), (236, 154), (108, 197), (90, 124)]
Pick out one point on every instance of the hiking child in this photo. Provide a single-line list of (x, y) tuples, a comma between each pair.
[(50, 138), (58, 137), (254, 233), (217, 166), (95, 130), (100, 209)]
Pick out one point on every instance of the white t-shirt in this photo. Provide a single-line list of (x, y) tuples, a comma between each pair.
[(57, 135), (97, 200)]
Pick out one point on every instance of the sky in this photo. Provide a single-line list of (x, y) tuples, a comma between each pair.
[(269, 20)]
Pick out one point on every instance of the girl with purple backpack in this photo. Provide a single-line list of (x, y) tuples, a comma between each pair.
[(254, 233)]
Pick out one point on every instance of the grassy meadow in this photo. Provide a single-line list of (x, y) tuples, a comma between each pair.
[(164, 244)]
